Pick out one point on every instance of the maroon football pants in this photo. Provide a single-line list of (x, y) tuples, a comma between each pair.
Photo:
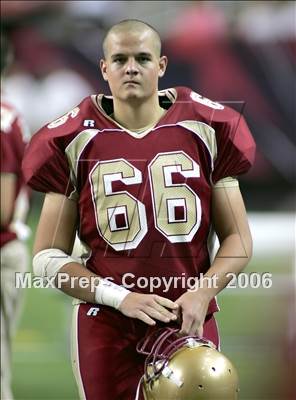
[(105, 361)]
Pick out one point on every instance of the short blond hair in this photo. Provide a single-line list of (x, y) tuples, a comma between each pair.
[(132, 24)]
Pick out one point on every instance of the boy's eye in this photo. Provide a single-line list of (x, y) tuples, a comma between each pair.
[(119, 59), (143, 59)]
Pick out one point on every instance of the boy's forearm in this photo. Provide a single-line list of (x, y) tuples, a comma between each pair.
[(77, 281), (232, 257)]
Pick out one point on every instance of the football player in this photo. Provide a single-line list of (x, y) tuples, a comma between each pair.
[(142, 176), (14, 208)]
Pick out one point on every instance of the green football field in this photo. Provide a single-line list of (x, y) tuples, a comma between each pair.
[(252, 326)]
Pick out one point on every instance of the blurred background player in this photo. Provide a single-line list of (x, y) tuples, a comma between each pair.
[(14, 209)]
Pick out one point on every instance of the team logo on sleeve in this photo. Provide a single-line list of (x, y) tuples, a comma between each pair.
[(207, 102)]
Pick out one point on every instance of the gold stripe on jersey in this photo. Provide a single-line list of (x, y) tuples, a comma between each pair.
[(206, 134), (229, 181), (75, 353), (170, 93), (74, 150)]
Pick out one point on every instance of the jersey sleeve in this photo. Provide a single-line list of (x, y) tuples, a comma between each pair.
[(12, 141), (45, 165), (235, 147), (232, 145), (9, 160)]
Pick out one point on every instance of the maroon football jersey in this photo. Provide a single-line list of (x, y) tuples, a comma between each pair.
[(143, 198), (13, 137)]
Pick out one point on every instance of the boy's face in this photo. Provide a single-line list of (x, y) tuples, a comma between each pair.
[(132, 66)]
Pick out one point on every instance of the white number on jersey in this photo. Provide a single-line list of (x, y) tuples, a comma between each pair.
[(207, 102), (63, 119)]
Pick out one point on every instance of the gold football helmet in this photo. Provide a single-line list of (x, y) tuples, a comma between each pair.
[(186, 368)]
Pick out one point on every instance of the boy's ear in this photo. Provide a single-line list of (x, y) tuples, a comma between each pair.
[(163, 62), (103, 68)]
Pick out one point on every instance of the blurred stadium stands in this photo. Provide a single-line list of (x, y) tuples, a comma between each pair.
[(238, 52)]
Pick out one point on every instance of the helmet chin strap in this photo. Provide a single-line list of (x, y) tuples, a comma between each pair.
[(139, 388)]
